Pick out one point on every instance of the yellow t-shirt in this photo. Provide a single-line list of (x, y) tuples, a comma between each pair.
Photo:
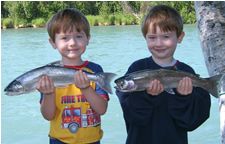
[(75, 121)]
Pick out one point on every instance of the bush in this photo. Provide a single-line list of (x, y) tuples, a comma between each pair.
[(129, 20), (39, 22), (92, 20), (112, 19), (21, 23), (118, 19), (7, 23), (96, 20)]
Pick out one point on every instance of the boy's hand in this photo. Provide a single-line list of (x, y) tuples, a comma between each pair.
[(45, 85), (81, 80), (185, 86), (155, 88)]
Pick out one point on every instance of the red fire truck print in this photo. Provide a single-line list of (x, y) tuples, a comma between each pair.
[(73, 119)]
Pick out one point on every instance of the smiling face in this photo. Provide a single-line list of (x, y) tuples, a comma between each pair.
[(69, 33), (71, 45), (161, 44), (163, 30)]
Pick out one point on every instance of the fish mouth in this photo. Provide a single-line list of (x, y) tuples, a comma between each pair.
[(120, 90), (10, 93), (14, 88), (125, 90), (117, 88)]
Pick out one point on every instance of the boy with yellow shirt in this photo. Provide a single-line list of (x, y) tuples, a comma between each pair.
[(73, 111)]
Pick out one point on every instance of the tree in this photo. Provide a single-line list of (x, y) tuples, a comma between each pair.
[(212, 33)]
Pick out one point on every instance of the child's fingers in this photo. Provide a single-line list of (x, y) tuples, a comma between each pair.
[(45, 84), (81, 80), (78, 77), (85, 77), (49, 82), (40, 83), (185, 86), (155, 87)]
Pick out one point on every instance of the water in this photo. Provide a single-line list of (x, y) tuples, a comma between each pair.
[(113, 47)]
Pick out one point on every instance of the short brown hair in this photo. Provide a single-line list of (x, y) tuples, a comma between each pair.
[(165, 17), (68, 20)]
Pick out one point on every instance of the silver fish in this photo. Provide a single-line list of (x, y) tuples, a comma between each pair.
[(139, 81), (61, 77)]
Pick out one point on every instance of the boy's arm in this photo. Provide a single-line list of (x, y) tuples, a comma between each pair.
[(98, 103), (190, 111), (48, 107)]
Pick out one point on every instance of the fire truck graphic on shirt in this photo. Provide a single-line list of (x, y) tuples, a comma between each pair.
[(73, 119)]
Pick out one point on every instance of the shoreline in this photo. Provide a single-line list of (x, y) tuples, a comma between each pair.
[(33, 26)]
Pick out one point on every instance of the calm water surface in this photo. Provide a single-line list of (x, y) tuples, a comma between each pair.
[(113, 47)]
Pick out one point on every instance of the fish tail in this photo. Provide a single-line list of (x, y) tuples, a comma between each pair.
[(105, 80), (213, 89)]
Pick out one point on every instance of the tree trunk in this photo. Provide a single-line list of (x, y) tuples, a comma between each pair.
[(128, 9), (211, 24)]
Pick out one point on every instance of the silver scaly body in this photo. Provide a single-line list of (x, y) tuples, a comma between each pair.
[(61, 77)]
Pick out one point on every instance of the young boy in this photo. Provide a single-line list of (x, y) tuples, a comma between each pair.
[(155, 116), (73, 111)]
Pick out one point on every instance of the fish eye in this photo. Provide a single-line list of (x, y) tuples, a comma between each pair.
[(121, 83), (124, 84)]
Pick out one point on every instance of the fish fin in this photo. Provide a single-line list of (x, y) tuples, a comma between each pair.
[(215, 84), (55, 63), (105, 80), (170, 91)]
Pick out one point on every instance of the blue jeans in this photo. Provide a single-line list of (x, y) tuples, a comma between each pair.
[(55, 141)]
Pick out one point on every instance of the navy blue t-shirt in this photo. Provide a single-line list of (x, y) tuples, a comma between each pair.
[(166, 118)]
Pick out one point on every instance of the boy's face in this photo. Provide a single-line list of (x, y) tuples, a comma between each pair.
[(71, 45), (162, 44)]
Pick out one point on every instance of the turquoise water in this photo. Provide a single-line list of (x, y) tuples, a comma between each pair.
[(113, 47)]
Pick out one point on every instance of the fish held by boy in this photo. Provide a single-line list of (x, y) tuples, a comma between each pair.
[(61, 77), (139, 81)]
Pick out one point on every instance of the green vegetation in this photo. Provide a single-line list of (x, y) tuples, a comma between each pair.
[(16, 14), (38, 22)]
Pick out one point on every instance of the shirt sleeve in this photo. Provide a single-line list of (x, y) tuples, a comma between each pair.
[(190, 111), (101, 92)]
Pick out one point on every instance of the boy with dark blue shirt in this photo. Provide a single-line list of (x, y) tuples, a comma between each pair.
[(155, 116)]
